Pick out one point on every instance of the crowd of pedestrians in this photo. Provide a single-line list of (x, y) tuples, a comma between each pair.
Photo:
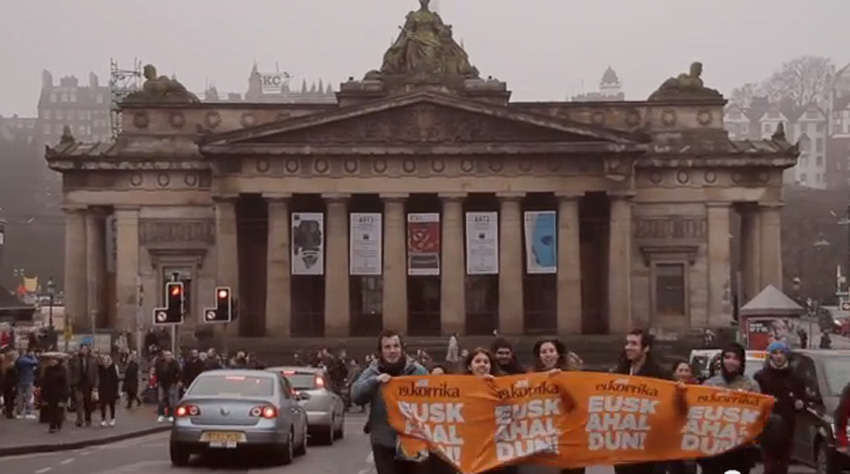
[(637, 358)]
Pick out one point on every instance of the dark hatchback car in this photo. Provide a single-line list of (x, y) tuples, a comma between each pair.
[(825, 373)]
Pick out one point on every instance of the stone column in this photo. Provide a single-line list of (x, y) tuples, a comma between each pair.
[(569, 265), (770, 245), (76, 307), (395, 263), (337, 298), (227, 251), (719, 269), (511, 309), (453, 269), (127, 264), (279, 284), (750, 253), (619, 265), (96, 267)]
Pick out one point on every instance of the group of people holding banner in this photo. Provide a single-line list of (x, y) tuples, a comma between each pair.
[(775, 395)]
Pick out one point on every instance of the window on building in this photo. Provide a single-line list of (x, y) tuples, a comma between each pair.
[(804, 162), (767, 128), (99, 99), (53, 97), (670, 297), (820, 178), (73, 97), (820, 127), (60, 115), (803, 178), (64, 98), (745, 128), (819, 161), (47, 114), (819, 144)]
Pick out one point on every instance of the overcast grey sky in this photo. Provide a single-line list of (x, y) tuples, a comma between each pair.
[(544, 49)]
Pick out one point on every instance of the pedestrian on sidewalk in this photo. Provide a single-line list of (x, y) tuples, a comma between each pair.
[(54, 392), (168, 379), (83, 372), (131, 380), (107, 389), (26, 366), (9, 386)]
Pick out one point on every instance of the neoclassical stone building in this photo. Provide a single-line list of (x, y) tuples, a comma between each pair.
[(592, 217)]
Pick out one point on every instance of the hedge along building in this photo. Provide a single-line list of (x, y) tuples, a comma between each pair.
[(426, 201)]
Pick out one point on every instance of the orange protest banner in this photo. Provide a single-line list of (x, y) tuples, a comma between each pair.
[(570, 419)]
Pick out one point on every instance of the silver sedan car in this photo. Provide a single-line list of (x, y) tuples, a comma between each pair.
[(325, 409), (233, 409)]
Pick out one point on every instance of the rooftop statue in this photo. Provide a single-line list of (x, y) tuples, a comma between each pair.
[(425, 49), (686, 86), (161, 89)]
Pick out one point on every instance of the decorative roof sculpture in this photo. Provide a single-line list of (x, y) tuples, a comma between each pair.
[(686, 86), (426, 52), (158, 89)]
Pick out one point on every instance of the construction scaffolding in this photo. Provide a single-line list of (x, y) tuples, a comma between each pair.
[(121, 83)]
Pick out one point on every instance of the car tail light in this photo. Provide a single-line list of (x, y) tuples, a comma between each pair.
[(320, 382), (264, 411), (187, 410)]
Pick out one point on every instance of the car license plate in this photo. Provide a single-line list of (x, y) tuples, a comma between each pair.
[(223, 439)]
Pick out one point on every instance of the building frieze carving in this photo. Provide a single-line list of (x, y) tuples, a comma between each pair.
[(421, 124), (107, 180), (116, 164), (437, 166), (707, 177), (670, 228), (170, 231)]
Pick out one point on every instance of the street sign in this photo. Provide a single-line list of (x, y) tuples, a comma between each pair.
[(160, 316), (845, 306)]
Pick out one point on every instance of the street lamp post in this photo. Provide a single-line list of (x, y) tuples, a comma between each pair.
[(51, 292)]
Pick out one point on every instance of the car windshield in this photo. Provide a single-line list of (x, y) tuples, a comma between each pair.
[(302, 380), (837, 372), (241, 385)]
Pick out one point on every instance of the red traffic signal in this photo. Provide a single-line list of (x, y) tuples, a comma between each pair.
[(175, 290), (223, 293)]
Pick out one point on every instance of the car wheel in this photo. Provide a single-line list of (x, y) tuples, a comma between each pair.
[(824, 463), (287, 451), (179, 455), (327, 437), (340, 432), (302, 447)]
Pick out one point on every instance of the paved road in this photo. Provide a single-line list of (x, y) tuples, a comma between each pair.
[(149, 455)]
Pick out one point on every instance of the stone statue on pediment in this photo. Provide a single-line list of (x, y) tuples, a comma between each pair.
[(161, 89), (425, 50), (685, 86)]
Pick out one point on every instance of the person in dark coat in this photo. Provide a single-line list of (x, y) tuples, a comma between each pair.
[(107, 389), (192, 368), (131, 381), (779, 381), (503, 350), (54, 393), (842, 418), (83, 370), (10, 382)]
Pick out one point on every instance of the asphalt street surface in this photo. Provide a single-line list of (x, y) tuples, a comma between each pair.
[(149, 455)]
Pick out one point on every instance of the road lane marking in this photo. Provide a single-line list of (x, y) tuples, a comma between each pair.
[(43, 470), (66, 461)]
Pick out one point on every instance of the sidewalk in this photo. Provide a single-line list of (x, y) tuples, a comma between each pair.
[(29, 436)]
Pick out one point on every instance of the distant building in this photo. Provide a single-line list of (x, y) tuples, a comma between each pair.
[(610, 89), (838, 146), (83, 108), (314, 93), (15, 127), (806, 125)]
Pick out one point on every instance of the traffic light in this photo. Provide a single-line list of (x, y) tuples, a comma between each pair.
[(174, 305), (224, 307)]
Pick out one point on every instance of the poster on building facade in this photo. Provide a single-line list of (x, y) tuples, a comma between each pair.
[(365, 241), (308, 243), (423, 244), (482, 243), (541, 242)]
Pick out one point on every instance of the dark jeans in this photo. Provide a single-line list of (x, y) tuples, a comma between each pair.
[(386, 462), (776, 459), (107, 406), (9, 403), (133, 396), (640, 468), (84, 404), (55, 414)]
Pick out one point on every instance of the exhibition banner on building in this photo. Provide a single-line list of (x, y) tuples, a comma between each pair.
[(482, 243), (365, 249), (541, 242), (423, 244), (308, 243), (568, 419)]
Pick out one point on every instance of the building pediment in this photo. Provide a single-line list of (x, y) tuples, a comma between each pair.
[(421, 119)]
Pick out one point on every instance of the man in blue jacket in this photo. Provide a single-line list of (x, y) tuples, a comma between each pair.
[(393, 361), (26, 366)]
